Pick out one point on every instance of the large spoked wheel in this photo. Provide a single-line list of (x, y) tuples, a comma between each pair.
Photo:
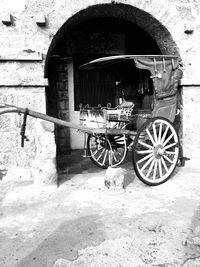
[(156, 151), (107, 150)]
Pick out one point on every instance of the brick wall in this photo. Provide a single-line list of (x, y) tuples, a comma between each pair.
[(62, 133)]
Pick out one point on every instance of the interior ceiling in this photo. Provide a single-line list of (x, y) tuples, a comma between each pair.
[(137, 41)]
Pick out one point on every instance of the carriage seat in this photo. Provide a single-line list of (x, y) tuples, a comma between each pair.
[(126, 104)]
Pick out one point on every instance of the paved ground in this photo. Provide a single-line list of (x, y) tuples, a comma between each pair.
[(81, 224)]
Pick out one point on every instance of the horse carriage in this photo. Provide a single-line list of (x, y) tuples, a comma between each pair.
[(146, 124), (153, 135)]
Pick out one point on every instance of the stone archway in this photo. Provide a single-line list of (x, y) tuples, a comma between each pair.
[(144, 33)]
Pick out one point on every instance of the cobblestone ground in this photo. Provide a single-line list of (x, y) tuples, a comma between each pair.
[(81, 224)]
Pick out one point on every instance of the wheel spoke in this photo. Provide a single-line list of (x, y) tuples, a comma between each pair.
[(154, 133), (114, 156), (169, 160), (118, 138), (160, 132), (95, 152), (160, 168), (150, 136), (164, 164), (107, 150), (145, 158), (164, 135), (144, 144), (104, 159), (170, 152), (150, 168), (147, 163), (110, 157), (155, 169), (119, 153), (101, 154), (144, 151), (169, 138), (171, 145)]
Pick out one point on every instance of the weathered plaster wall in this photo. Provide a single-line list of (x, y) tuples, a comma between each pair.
[(12, 155), (24, 46), (25, 35), (191, 115)]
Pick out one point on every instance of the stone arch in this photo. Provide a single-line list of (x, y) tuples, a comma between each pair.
[(157, 32), (137, 16)]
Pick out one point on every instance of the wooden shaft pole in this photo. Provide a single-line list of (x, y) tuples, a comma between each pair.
[(13, 109)]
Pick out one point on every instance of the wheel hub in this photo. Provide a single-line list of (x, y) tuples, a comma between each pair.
[(159, 151)]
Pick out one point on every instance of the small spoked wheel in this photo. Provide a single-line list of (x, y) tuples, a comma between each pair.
[(107, 150), (156, 151)]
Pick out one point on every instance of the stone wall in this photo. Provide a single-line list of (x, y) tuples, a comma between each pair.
[(12, 155), (62, 133), (191, 115), (29, 29)]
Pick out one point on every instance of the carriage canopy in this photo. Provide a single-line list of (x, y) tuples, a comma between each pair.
[(165, 70)]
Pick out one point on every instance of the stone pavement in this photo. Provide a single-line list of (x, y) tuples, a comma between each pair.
[(80, 224)]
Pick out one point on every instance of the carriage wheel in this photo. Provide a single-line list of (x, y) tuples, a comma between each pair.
[(107, 150), (156, 151)]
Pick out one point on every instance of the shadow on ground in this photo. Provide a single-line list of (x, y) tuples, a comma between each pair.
[(75, 163), (65, 241)]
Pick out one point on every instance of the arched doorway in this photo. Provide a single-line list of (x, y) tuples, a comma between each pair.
[(100, 30)]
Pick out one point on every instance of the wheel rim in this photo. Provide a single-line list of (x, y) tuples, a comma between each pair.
[(107, 150), (156, 151)]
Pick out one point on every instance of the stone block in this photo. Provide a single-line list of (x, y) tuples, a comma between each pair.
[(60, 86), (40, 20), (196, 241), (44, 126), (63, 115), (189, 27), (18, 174), (62, 105), (7, 19), (59, 67), (63, 76), (63, 145), (62, 263), (114, 180), (62, 95), (44, 140), (17, 73), (191, 126), (63, 133), (45, 172)]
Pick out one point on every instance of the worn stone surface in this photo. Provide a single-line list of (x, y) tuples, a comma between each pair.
[(191, 113), (44, 166), (18, 174), (11, 152), (117, 179), (62, 263), (78, 224), (114, 180)]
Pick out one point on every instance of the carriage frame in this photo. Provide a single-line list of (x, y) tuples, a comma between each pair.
[(110, 132)]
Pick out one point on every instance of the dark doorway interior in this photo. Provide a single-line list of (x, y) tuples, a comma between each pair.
[(103, 37), (80, 43)]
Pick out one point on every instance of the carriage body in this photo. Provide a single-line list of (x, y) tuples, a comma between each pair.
[(153, 135), (145, 125), (164, 73)]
